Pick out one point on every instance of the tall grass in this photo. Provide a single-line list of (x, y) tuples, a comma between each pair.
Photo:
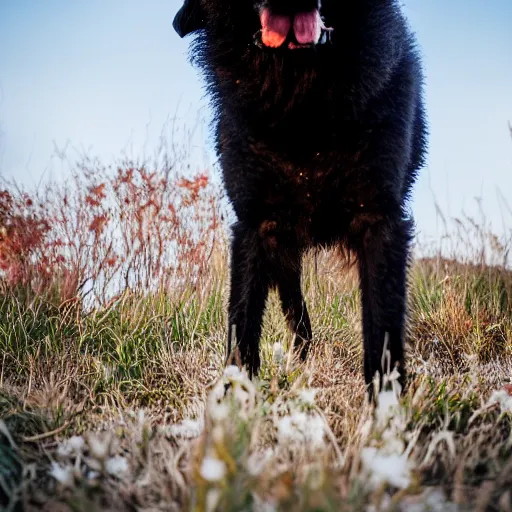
[(112, 302)]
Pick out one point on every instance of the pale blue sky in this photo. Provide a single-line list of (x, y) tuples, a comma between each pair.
[(97, 72)]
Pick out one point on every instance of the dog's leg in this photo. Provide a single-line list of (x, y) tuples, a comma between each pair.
[(249, 289), (382, 257), (294, 307)]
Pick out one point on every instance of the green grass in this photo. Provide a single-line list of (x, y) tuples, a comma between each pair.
[(68, 372)]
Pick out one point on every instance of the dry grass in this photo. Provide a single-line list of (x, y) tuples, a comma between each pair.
[(134, 378), (161, 354)]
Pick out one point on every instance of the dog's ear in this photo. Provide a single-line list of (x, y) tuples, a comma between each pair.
[(189, 18)]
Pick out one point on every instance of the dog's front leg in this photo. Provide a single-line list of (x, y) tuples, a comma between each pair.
[(248, 293), (383, 251)]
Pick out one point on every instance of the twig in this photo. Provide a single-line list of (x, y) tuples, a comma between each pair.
[(44, 435)]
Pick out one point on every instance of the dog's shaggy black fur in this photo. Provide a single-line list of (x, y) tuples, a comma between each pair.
[(319, 146)]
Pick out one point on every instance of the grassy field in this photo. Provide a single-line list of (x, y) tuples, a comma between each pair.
[(121, 403)]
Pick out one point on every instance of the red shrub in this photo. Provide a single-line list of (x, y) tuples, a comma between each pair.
[(102, 231)]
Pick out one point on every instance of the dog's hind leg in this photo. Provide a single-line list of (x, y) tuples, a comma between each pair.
[(382, 254), (249, 288), (287, 280)]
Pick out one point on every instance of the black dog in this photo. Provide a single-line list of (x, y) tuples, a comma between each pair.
[(320, 130)]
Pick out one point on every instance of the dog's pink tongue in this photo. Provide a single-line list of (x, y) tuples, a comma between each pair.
[(274, 28), (307, 27)]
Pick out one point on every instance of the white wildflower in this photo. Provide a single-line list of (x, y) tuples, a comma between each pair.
[(212, 469), (387, 407), (117, 466), (233, 373), (212, 499), (287, 428), (99, 446), (219, 411), (394, 469), (217, 408), (503, 398), (243, 396), (233, 387), (93, 475), (63, 475), (307, 396), (217, 394), (187, 429), (72, 446), (218, 434), (394, 379), (300, 427), (392, 442), (316, 430), (389, 463), (257, 461)]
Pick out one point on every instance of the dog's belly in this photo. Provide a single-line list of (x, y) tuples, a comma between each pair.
[(316, 207), (306, 197)]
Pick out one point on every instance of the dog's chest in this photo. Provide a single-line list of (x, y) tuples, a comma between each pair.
[(331, 189), (326, 179)]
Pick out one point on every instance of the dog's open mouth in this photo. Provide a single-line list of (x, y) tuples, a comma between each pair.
[(304, 30)]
